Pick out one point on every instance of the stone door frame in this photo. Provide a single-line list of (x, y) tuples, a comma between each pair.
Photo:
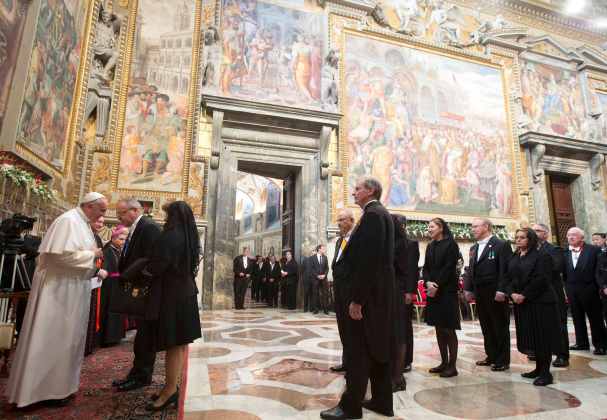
[(272, 141)]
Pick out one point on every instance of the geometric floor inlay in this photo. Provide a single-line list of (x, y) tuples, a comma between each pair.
[(274, 364)]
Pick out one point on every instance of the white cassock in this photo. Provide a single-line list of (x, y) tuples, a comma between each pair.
[(50, 349)]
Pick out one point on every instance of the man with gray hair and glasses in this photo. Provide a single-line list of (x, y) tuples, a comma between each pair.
[(143, 232), (556, 254), (580, 276)]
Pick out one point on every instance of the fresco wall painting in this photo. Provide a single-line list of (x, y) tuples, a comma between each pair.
[(155, 136), (269, 53), (51, 85), (433, 128), (552, 99)]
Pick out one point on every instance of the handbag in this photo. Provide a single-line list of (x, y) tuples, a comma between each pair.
[(132, 289)]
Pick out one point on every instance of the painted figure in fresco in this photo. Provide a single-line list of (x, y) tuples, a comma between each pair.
[(302, 66), (104, 51), (259, 49), (448, 19), (233, 65)]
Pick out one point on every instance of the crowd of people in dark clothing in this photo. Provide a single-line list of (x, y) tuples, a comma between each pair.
[(374, 280)]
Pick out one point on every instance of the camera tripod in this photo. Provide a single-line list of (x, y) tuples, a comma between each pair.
[(18, 269)]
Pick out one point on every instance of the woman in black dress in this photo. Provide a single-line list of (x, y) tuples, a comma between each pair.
[(173, 268), (529, 284), (112, 324), (442, 311)]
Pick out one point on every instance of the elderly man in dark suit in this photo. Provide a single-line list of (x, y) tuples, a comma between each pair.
[(243, 268), (581, 281), (557, 256), (143, 232), (341, 281), (369, 329), (489, 259)]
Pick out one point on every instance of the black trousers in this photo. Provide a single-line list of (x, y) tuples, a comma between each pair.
[(291, 290), (564, 348), (255, 282), (408, 322), (341, 315), (321, 295), (362, 368), (585, 301), (145, 355), (272, 290), (542, 364), (240, 290), (494, 318), (308, 296)]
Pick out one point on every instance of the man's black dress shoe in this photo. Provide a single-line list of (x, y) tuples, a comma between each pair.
[(500, 368), (338, 368), (485, 362), (315, 312), (543, 381), (370, 405), (578, 347), (400, 385), (131, 385), (326, 312), (600, 352), (531, 358), (531, 375), (450, 372), (407, 369), (438, 369), (336, 413), (118, 382), (560, 362)]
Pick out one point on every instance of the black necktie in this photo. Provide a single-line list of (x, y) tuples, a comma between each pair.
[(126, 245)]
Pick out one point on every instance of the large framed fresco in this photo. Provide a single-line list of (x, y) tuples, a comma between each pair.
[(52, 80), (552, 99), (159, 101), (269, 52), (12, 21), (433, 128)]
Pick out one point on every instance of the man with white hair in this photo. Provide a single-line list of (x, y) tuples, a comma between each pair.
[(580, 277), (49, 354)]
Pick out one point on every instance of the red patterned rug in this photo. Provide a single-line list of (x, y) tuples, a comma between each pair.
[(96, 399)]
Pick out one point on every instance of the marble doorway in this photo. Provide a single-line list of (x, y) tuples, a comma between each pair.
[(273, 142)]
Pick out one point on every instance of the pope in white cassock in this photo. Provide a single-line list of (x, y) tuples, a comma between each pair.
[(50, 350)]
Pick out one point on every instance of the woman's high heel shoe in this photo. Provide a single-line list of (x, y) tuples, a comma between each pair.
[(172, 400)]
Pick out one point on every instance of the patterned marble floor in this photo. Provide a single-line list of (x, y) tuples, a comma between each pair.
[(274, 364)]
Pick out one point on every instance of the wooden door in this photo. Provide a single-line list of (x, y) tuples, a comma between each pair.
[(288, 213), (562, 206)]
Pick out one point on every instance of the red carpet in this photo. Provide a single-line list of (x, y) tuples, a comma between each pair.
[(96, 399)]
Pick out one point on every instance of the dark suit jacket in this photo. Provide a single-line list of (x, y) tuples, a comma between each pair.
[(491, 267), (316, 268), (370, 253), (258, 273), (558, 263), (585, 272), (238, 267), (291, 269), (602, 271), (272, 273), (139, 250), (531, 276), (406, 260)]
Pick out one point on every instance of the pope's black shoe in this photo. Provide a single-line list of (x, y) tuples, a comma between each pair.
[(560, 362)]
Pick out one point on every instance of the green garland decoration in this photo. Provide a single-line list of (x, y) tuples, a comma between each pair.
[(23, 178), (418, 229)]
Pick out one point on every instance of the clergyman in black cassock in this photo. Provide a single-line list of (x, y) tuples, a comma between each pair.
[(370, 328)]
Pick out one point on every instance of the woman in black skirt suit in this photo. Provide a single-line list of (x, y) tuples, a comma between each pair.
[(441, 281), (173, 268), (529, 284)]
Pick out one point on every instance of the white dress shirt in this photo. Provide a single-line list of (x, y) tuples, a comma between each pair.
[(245, 261), (481, 247), (345, 238), (575, 255)]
